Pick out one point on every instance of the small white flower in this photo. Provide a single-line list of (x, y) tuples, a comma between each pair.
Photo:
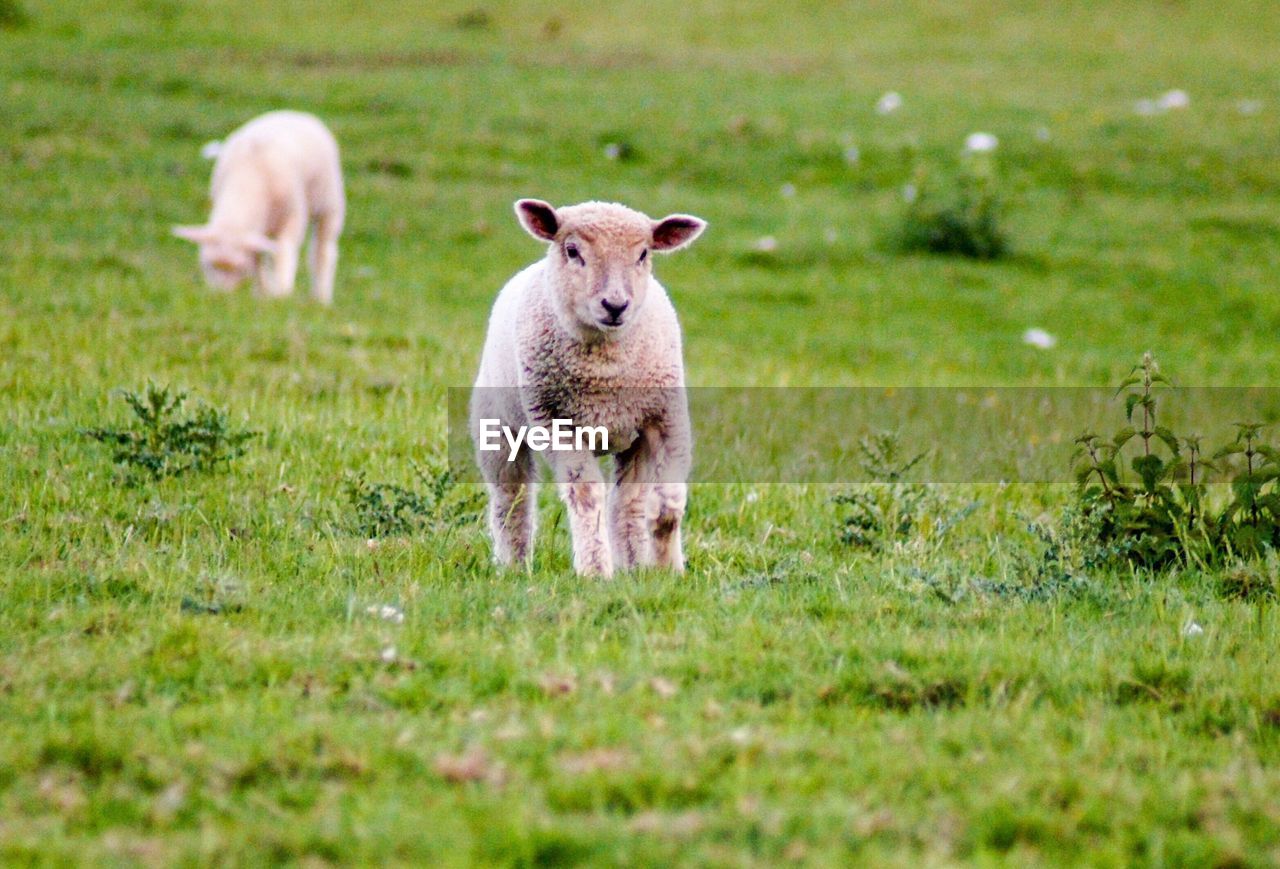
[(852, 155), (909, 193), (890, 102), (1192, 629), (371, 544), (767, 244), (1249, 107), (740, 735), (1174, 99), (1039, 338), (980, 143), (788, 190), (388, 654), (386, 613), (210, 150), (752, 497), (612, 151), (1147, 108), (1043, 134)]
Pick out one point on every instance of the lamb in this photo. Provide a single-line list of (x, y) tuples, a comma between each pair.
[(587, 335), (273, 178)]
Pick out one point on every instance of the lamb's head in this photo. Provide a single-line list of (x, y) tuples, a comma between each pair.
[(599, 263), (227, 259)]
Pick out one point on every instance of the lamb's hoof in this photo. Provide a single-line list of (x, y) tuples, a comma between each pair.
[(597, 570)]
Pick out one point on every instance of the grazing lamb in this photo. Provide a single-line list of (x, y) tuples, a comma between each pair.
[(588, 335), (273, 178)]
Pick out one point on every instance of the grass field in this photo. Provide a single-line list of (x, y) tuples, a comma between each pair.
[(788, 698)]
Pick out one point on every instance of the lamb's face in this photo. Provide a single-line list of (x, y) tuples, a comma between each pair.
[(226, 260), (226, 265), (600, 259), (601, 272)]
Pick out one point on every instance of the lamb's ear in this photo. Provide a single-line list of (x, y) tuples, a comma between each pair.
[(538, 218), (676, 231), (197, 234), (259, 243)]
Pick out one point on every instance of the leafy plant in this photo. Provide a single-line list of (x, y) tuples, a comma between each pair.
[(12, 15), (388, 510), (167, 440), (959, 216), (1152, 508), (891, 511)]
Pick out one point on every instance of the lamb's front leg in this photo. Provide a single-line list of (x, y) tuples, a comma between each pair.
[(583, 490), (629, 502), (278, 272), (513, 497), (286, 263)]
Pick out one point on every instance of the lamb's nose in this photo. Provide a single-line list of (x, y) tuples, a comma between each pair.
[(614, 309)]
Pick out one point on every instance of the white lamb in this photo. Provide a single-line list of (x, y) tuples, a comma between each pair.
[(274, 177), (588, 335)]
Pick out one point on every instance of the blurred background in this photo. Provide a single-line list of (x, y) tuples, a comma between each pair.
[(1134, 181)]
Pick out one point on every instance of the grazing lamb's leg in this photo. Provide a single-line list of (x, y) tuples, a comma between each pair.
[(324, 257), (673, 455), (582, 487), (512, 505), (286, 259), (629, 507), (278, 272), (267, 275)]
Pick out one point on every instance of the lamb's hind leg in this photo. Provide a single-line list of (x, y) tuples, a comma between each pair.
[(512, 505), (323, 257), (672, 449), (667, 548)]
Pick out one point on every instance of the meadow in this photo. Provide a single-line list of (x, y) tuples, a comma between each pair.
[(227, 668)]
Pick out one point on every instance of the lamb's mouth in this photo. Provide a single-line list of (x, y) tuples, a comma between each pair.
[(609, 324)]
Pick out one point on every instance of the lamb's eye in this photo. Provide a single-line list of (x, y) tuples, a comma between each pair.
[(644, 255), (572, 252)]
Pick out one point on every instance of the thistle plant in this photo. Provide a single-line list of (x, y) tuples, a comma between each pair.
[(166, 439), (388, 510), (891, 512)]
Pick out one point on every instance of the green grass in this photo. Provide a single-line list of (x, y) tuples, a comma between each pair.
[(810, 702)]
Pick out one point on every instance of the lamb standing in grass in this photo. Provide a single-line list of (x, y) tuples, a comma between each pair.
[(274, 177), (588, 335)]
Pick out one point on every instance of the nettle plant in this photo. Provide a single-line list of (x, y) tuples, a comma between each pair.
[(1148, 489), (166, 439)]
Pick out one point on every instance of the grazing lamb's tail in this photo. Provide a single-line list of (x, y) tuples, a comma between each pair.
[(210, 150)]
